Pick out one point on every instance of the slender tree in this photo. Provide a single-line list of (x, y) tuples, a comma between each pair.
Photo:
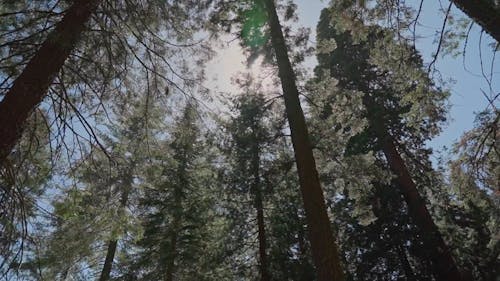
[(324, 250), (177, 210), (250, 141)]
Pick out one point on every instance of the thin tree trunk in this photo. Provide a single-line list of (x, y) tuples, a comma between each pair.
[(259, 207), (177, 221), (169, 276), (324, 250), (110, 253), (264, 272), (409, 275), (256, 190), (108, 262), (31, 86), (484, 13)]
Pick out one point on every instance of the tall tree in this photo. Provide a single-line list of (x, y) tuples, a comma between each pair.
[(97, 206), (474, 183), (324, 250), (31, 85), (76, 53), (352, 64), (267, 223), (249, 137), (178, 210)]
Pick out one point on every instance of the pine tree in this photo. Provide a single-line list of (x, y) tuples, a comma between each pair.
[(474, 218), (178, 210), (96, 207), (249, 138), (324, 249), (31, 85)]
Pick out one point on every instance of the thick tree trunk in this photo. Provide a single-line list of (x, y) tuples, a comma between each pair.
[(324, 250), (31, 86), (108, 262), (444, 266), (484, 13)]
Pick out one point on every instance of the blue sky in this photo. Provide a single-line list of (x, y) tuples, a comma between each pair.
[(466, 97)]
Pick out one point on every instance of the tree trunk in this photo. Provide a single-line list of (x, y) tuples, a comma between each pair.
[(259, 207), (31, 86), (108, 262), (324, 250), (110, 254), (176, 220), (169, 276), (483, 13), (264, 272), (443, 265)]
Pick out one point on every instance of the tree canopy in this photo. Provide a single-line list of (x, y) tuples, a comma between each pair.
[(120, 161)]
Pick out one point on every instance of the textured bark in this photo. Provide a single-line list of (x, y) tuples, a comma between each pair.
[(483, 13), (31, 86), (324, 250)]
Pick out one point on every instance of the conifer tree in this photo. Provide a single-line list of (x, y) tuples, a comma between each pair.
[(250, 138), (96, 208), (178, 210), (323, 246), (393, 107)]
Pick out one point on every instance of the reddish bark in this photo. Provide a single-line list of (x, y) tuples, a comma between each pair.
[(324, 250), (444, 266), (29, 89)]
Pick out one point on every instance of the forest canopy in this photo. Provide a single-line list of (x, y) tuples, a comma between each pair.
[(123, 158)]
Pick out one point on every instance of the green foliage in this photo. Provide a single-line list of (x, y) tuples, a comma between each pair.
[(181, 208), (178, 211), (474, 220), (381, 85), (23, 179), (254, 22)]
